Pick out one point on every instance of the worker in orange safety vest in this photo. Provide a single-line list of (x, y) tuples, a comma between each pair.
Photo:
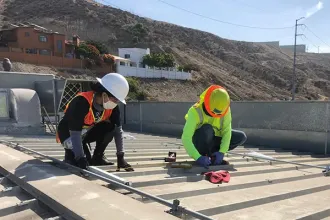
[(208, 134), (94, 116)]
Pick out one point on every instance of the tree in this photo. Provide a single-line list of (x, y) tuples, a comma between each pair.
[(87, 51), (138, 31), (99, 45)]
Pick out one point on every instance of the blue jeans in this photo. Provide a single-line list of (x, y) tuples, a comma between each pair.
[(207, 143)]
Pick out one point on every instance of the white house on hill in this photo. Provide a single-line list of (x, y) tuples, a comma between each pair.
[(129, 63), (134, 54)]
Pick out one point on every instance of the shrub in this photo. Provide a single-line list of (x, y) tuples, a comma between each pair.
[(135, 93), (189, 67), (88, 51), (100, 46), (109, 59), (159, 60), (93, 51)]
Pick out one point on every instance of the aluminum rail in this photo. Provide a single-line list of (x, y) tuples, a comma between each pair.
[(325, 168), (176, 208)]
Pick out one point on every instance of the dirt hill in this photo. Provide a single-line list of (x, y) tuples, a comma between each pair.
[(249, 71)]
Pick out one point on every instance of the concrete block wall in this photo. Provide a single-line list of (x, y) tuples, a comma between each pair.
[(302, 126)]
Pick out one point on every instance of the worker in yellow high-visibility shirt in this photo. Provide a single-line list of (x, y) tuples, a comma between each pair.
[(207, 134)]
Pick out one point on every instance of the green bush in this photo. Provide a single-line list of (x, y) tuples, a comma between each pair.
[(135, 92), (189, 67), (159, 60), (88, 51), (100, 46)]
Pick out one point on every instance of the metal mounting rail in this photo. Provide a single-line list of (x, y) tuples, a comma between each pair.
[(326, 169), (175, 210)]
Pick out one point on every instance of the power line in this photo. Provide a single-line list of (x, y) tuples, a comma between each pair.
[(316, 35), (317, 47), (225, 22)]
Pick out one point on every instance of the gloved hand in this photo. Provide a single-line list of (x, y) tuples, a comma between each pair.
[(218, 157), (203, 161), (82, 163)]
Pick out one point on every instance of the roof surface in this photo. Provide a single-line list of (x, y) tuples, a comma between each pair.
[(17, 204), (256, 188)]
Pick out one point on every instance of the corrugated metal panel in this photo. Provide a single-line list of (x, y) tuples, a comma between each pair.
[(256, 189)]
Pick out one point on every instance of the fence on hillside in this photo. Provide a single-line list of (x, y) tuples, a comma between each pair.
[(38, 59)]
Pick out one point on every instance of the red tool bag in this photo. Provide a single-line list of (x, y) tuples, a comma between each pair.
[(217, 177)]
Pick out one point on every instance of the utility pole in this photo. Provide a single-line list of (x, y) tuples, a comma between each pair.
[(294, 59)]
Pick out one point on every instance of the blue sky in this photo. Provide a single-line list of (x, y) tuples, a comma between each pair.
[(255, 13)]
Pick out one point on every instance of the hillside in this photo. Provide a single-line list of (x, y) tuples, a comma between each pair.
[(249, 71)]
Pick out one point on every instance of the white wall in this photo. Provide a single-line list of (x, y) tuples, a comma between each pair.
[(152, 73), (136, 54)]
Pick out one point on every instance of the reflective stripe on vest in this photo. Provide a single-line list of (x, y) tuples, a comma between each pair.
[(201, 119), (90, 118)]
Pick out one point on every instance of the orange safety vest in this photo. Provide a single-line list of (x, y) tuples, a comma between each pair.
[(89, 118)]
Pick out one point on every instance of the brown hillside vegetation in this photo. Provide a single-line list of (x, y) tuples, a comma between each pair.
[(249, 71)]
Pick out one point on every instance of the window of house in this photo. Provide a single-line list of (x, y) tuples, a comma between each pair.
[(59, 45), (42, 38), (127, 56), (27, 34), (31, 50), (122, 63), (44, 52)]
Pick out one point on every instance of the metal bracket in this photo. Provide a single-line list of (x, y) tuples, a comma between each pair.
[(326, 172), (176, 209)]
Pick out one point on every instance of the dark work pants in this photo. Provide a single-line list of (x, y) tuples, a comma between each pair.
[(207, 143), (102, 133)]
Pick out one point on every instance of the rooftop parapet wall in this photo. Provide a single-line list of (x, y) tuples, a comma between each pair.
[(288, 125)]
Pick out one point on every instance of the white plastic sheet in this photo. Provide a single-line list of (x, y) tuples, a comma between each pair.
[(259, 155)]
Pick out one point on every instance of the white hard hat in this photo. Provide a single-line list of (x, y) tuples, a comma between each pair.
[(116, 84)]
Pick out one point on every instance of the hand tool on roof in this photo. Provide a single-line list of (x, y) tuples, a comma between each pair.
[(254, 155), (181, 165), (171, 157)]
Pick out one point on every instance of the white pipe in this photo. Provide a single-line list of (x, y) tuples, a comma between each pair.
[(108, 175)]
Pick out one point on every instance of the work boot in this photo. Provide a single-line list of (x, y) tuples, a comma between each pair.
[(69, 157), (101, 160), (121, 163)]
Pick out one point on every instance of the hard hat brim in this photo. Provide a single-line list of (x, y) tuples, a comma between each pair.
[(100, 81)]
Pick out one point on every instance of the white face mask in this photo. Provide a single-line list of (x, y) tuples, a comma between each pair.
[(109, 104)]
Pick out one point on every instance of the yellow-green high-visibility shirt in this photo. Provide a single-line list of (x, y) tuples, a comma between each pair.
[(195, 118)]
